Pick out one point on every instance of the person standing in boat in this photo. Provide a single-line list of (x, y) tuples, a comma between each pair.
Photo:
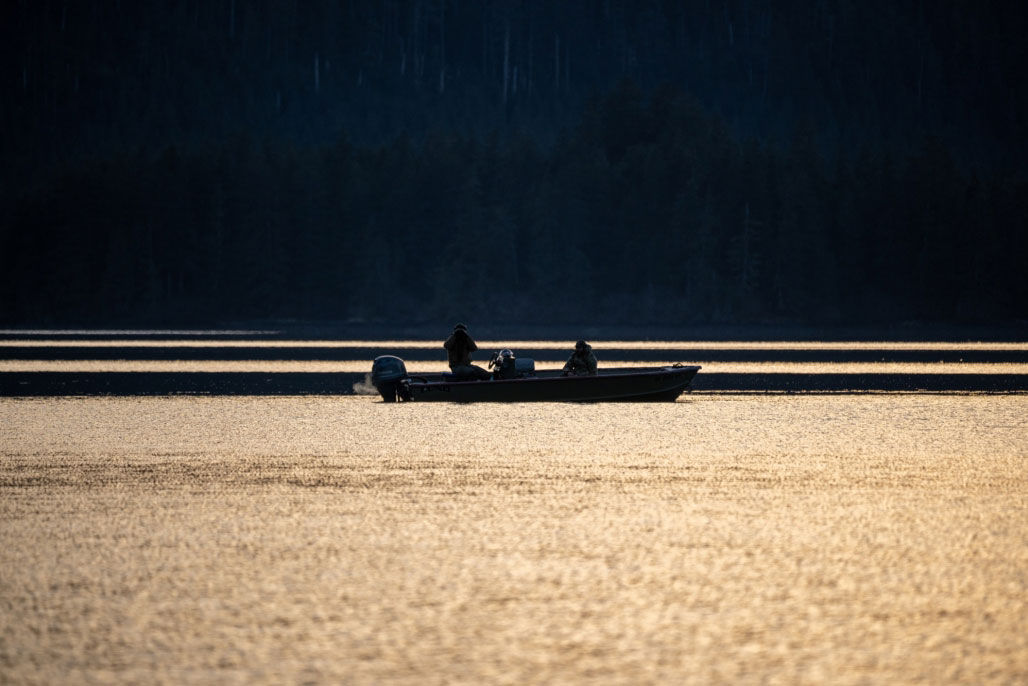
[(459, 347), (582, 362)]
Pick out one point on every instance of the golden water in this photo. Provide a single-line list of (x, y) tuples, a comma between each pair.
[(779, 539), (436, 366), (498, 344)]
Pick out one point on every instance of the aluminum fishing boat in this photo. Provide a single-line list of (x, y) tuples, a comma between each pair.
[(626, 384)]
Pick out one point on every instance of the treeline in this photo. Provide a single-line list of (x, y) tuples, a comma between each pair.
[(649, 209), (86, 78)]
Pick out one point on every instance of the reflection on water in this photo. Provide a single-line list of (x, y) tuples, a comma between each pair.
[(875, 539), (489, 344), (428, 367), (134, 332), (696, 428), (799, 357)]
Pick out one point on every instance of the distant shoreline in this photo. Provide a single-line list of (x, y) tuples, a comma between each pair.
[(291, 330)]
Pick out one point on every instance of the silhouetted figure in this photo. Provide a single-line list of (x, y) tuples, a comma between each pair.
[(459, 347), (503, 365), (582, 362)]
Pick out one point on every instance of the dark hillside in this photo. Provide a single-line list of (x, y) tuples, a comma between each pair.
[(594, 160)]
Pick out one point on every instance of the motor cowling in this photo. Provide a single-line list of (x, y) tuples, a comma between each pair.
[(388, 373)]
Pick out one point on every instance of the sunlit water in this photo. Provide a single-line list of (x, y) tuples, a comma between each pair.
[(788, 539), (354, 356), (498, 344), (436, 366)]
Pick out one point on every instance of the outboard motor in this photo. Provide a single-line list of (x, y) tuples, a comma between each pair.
[(388, 374)]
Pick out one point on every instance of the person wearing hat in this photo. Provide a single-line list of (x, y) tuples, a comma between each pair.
[(459, 347), (582, 362)]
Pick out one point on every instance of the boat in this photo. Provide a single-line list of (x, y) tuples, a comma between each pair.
[(621, 384)]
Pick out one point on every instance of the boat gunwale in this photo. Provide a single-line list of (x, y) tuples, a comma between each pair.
[(614, 373)]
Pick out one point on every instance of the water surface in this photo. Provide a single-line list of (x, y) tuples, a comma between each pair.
[(843, 539)]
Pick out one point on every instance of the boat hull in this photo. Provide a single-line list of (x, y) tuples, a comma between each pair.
[(625, 385)]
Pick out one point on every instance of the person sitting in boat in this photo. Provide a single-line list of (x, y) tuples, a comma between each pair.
[(503, 365), (459, 347), (582, 362)]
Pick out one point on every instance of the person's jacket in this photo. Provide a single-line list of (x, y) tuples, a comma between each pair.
[(581, 362), (459, 347)]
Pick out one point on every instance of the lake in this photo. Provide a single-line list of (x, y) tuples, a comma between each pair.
[(727, 537), (237, 363)]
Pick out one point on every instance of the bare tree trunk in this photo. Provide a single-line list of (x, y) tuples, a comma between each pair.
[(567, 68), (731, 30), (419, 58), (831, 38), (506, 60), (530, 63), (317, 73), (268, 41), (767, 66), (556, 62), (920, 75), (442, 46)]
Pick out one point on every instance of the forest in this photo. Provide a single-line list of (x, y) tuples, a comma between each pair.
[(748, 162)]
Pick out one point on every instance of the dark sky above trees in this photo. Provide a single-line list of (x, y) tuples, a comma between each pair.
[(739, 161)]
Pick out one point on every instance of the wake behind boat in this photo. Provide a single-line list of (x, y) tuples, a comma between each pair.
[(628, 384)]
